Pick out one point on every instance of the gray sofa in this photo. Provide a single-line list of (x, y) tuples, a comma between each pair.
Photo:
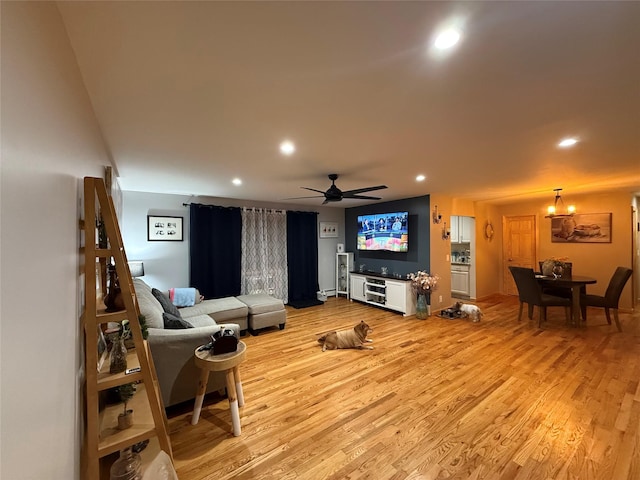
[(172, 350)]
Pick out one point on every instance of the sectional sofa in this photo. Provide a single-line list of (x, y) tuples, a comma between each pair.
[(172, 349)]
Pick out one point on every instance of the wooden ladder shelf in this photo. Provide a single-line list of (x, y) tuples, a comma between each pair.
[(102, 436)]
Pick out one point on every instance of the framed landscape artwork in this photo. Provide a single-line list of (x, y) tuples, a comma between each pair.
[(582, 228), (164, 229)]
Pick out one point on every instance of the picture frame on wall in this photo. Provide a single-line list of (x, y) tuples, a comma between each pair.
[(164, 229), (328, 229), (581, 228)]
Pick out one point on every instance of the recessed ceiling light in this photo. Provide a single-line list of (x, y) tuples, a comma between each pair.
[(567, 142), (420, 178), (236, 181), (447, 39), (287, 147)]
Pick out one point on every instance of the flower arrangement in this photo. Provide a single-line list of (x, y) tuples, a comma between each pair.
[(550, 263), (422, 282), (560, 261)]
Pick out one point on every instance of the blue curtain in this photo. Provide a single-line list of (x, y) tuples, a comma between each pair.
[(215, 260), (302, 255)]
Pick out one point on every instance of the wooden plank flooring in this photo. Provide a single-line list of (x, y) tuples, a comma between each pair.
[(435, 399)]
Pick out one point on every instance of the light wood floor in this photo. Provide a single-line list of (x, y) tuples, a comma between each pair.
[(436, 399)]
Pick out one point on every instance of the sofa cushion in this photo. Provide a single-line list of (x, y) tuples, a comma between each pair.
[(167, 306), (171, 321), (149, 306), (201, 321), (220, 309)]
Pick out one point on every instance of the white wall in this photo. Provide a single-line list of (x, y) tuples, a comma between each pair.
[(50, 139), (166, 264)]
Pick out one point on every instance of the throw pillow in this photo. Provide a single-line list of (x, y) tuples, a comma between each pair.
[(173, 322), (167, 306)]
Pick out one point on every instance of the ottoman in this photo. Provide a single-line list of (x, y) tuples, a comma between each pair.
[(264, 311)]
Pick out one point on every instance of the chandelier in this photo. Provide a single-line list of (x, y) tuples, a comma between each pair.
[(558, 208)]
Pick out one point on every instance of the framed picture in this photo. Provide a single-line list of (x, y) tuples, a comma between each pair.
[(328, 229), (164, 229), (582, 228)]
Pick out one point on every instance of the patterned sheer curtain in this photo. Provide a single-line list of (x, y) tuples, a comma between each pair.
[(264, 252)]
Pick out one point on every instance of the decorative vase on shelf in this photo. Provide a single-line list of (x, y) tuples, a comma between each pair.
[(118, 356), (422, 307), (127, 467), (113, 300)]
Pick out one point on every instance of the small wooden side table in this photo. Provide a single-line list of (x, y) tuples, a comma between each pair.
[(226, 362)]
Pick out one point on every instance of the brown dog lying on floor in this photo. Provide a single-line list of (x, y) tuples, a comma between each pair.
[(354, 338)]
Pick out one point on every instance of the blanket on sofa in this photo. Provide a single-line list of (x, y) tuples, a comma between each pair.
[(183, 297)]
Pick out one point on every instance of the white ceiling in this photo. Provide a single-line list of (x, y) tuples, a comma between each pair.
[(192, 94)]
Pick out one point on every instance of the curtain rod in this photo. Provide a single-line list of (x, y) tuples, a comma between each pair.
[(254, 209), (274, 210)]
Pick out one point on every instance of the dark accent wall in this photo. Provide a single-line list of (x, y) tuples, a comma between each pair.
[(417, 258)]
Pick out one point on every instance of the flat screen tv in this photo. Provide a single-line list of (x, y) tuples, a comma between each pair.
[(383, 231)]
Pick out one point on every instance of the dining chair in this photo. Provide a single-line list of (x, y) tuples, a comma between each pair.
[(530, 292), (608, 301)]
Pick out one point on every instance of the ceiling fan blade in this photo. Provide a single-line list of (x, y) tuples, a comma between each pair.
[(334, 194), (361, 197), (366, 189), (313, 190), (298, 198)]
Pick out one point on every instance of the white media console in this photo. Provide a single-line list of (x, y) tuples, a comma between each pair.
[(383, 291)]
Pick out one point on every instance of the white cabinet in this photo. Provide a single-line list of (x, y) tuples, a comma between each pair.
[(465, 225), (375, 291), (460, 279), (455, 231), (400, 297), (384, 292), (357, 288), (461, 228), (344, 265)]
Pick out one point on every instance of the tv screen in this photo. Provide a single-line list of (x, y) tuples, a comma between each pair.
[(383, 231)]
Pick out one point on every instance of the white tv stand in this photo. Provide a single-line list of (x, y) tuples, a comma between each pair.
[(383, 291)]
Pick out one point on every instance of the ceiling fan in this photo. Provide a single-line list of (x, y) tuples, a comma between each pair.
[(334, 194)]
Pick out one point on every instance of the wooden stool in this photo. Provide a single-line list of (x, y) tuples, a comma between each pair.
[(227, 362)]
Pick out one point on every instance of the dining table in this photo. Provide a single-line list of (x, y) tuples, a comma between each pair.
[(575, 283)]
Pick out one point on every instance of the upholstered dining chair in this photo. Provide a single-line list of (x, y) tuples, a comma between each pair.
[(611, 297), (530, 292)]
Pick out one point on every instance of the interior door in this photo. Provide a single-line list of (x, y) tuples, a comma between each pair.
[(518, 247)]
